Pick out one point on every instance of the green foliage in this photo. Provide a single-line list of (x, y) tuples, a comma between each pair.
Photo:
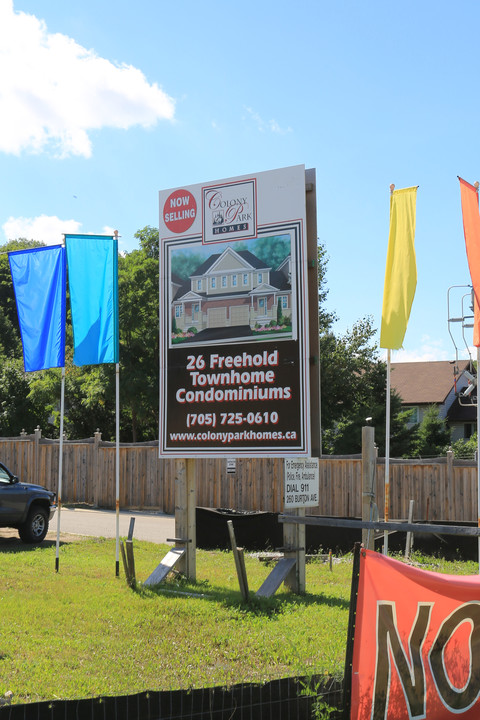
[(312, 687), (403, 435), (433, 436), (325, 318), (138, 278), (353, 384), (352, 376), (19, 409), (148, 241), (465, 449), (10, 343)]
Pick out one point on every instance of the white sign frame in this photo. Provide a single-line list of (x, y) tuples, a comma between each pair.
[(267, 205)]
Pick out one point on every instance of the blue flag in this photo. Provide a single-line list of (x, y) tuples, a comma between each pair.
[(39, 282), (93, 285)]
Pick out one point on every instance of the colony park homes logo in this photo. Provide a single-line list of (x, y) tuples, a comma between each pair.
[(229, 211)]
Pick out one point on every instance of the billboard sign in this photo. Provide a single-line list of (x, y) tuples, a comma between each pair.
[(233, 318)]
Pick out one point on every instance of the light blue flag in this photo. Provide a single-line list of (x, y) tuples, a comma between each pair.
[(39, 278), (93, 285)]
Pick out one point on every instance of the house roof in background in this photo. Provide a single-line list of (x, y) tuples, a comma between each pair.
[(424, 383)]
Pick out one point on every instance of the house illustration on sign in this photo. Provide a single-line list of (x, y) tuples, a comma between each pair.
[(233, 289)]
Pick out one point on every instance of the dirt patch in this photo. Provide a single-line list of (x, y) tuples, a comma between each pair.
[(9, 537)]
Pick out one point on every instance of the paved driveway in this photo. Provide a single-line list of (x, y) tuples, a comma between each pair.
[(155, 527)]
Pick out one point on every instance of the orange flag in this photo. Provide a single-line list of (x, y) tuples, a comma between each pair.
[(471, 229)]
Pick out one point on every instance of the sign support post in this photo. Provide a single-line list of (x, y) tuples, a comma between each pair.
[(294, 541), (185, 529)]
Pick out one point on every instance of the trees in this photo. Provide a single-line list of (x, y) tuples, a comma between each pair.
[(353, 384), (433, 437), (352, 375), (465, 449), (138, 278)]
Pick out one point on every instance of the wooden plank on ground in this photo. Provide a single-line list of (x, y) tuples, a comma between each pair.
[(276, 577), (239, 562), (162, 570)]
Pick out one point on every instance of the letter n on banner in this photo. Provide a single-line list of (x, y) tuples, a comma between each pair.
[(416, 646)]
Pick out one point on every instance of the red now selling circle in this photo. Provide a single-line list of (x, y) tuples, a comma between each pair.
[(179, 211)]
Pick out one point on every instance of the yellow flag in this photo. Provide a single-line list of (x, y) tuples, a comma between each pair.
[(401, 270)]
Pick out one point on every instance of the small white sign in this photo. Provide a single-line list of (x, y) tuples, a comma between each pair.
[(301, 483), (231, 465)]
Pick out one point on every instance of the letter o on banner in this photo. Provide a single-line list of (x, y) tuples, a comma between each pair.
[(458, 699)]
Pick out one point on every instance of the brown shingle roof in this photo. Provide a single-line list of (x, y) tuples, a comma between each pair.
[(420, 383)]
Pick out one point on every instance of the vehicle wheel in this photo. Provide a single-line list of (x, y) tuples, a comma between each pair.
[(35, 527)]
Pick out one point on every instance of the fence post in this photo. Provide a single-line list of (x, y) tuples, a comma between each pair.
[(368, 483), (449, 467), (36, 454), (97, 438)]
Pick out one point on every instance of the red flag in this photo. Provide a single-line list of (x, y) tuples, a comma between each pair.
[(471, 229)]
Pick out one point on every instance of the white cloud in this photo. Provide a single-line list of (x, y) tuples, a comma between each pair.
[(45, 228), (429, 350), (267, 125), (48, 229), (54, 91)]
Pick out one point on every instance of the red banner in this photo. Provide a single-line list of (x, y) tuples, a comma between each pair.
[(416, 647)]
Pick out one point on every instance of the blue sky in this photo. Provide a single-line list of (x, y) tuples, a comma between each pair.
[(103, 104)]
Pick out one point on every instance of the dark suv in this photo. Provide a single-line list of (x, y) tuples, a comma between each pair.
[(29, 508)]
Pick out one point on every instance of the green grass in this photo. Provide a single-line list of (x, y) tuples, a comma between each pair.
[(83, 632)]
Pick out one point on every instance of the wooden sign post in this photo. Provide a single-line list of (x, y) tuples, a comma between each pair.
[(185, 526)]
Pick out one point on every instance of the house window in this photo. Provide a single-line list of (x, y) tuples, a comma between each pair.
[(178, 311), (259, 277), (213, 283), (199, 284), (196, 307), (224, 281), (284, 301), (234, 280), (245, 278)]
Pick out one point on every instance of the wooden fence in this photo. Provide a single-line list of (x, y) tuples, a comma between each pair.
[(443, 489)]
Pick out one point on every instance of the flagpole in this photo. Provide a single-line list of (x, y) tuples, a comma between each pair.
[(117, 469), (387, 454), (476, 185), (60, 470), (387, 440)]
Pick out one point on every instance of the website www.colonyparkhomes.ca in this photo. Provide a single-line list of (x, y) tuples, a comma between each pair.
[(231, 436)]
